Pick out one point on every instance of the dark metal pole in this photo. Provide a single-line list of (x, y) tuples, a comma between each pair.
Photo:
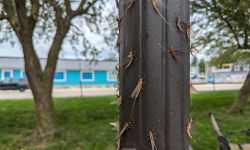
[(160, 51)]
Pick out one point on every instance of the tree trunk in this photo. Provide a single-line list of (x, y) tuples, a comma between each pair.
[(41, 86), (241, 99), (46, 128), (40, 79)]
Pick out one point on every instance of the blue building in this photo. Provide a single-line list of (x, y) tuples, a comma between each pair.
[(69, 71)]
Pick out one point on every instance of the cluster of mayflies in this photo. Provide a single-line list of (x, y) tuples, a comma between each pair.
[(128, 61)]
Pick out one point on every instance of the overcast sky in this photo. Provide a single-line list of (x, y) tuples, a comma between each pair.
[(6, 49)]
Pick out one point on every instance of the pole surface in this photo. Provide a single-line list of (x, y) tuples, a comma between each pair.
[(163, 103)]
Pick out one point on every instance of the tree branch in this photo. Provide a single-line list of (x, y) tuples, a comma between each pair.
[(12, 18), (68, 7), (81, 10), (80, 7), (58, 11), (117, 3), (21, 13), (246, 40), (63, 25), (229, 25), (34, 11), (32, 63), (2, 17)]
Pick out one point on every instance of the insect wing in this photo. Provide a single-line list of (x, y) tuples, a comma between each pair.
[(153, 145), (136, 91), (188, 34), (174, 54), (122, 131), (118, 145), (128, 62)]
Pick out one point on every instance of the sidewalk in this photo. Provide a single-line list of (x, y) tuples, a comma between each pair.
[(76, 91)]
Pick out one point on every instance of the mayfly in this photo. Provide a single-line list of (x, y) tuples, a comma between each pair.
[(173, 52), (188, 31), (131, 2), (134, 96), (119, 100), (179, 24), (125, 127), (118, 84), (129, 59), (189, 127), (192, 88), (152, 140), (118, 21), (154, 4), (137, 89), (117, 45), (192, 49), (117, 69)]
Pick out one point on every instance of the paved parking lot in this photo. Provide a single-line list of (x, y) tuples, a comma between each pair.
[(74, 91)]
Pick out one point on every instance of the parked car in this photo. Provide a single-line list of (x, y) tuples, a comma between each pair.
[(14, 84)]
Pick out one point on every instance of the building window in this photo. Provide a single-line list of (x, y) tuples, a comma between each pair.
[(23, 75), (60, 76), (7, 74), (246, 68), (111, 76), (87, 76), (236, 68)]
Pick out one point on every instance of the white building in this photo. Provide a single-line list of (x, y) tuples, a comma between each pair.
[(229, 73)]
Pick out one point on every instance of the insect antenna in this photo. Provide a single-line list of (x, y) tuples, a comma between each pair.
[(154, 4)]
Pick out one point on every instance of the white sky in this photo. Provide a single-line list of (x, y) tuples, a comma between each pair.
[(6, 49)]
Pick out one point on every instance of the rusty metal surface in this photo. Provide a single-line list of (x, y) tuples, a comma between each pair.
[(163, 104)]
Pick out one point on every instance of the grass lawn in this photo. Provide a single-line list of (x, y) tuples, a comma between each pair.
[(84, 122)]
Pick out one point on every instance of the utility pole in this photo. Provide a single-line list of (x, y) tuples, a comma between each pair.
[(154, 47)]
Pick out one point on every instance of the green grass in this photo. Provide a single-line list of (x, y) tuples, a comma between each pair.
[(218, 103), (84, 122)]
